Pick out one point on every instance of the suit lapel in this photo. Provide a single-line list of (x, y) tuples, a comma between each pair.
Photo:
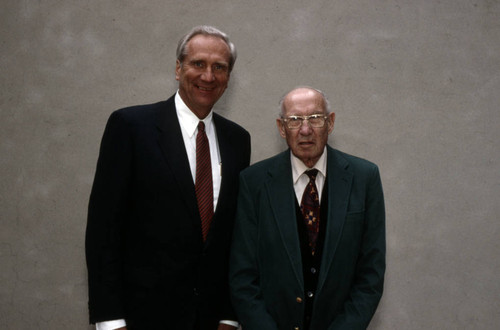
[(282, 200), (339, 188), (174, 152), (226, 163)]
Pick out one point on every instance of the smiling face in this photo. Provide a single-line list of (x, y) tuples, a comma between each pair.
[(203, 75), (306, 142)]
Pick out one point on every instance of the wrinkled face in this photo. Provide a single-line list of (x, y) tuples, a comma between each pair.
[(204, 73), (306, 142)]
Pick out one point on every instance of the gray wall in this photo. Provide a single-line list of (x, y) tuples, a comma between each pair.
[(415, 86)]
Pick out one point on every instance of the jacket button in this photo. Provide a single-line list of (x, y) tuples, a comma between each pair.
[(296, 328), (299, 300)]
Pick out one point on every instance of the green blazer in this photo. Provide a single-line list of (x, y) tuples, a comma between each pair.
[(266, 280)]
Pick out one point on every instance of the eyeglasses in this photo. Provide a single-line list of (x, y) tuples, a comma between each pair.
[(294, 122)]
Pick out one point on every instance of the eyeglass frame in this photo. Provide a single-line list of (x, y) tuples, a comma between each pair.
[(302, 118)]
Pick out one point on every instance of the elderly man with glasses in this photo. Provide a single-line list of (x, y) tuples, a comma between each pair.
[(308, 249)]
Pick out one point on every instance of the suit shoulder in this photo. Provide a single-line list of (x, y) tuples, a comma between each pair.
[(356, 159), (138, 113), (261, 168), (229, 126), (354, 163)]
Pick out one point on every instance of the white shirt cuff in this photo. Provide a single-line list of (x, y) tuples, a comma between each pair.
[(110, 325), (233, 323), (115, 324)]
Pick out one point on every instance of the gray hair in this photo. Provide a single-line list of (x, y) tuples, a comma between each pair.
[(323, 95), (205, 30)]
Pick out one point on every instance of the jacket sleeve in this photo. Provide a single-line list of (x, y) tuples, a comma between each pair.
[(367, 287), (244, 270), (106, 214)]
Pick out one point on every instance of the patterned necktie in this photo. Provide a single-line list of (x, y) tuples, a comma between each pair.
[(310, 209), (203, 185)]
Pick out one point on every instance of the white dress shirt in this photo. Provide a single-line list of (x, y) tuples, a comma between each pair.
[(300, 178), (189, 128)]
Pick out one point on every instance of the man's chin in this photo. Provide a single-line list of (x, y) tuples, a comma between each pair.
[(302, 155), (207, 99), (207, 102), (306, 149)]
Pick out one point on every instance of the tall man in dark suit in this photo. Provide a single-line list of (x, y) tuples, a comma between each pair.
[(308, 249), (163, 202)]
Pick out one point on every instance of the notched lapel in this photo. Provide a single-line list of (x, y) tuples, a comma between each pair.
[(282, 202), (227, 169), (339, 189), (174, 153), (227, 166)]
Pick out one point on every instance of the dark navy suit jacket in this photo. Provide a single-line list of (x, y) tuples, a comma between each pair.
[(147, 262)]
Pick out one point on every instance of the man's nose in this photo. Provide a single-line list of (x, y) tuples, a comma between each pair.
[(305, 127), (208, 74)]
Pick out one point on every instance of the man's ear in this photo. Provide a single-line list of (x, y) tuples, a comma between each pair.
[(177, 69), (331, 121), (281, 127)]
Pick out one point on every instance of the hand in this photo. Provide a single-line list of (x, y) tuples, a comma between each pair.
[(223, 326)]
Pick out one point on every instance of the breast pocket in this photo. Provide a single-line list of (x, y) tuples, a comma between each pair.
[(352, 234), (355, 216)]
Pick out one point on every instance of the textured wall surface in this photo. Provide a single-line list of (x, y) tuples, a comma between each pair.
[(415, 86)]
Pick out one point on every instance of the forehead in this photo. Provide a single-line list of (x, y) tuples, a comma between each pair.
[(204, 47), (304, 102)]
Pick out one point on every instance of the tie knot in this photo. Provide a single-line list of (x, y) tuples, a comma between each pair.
[(201, 126), (312, 173)]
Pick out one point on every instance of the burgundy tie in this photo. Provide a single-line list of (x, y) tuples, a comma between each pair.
[(203, 184), (310, 209)]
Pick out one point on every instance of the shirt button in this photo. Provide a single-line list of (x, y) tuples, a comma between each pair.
[(195, 291), (299, 300), (310, 294), (313, 270)]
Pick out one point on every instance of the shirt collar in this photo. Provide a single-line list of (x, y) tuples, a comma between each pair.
[(298, 167), (188, 120)]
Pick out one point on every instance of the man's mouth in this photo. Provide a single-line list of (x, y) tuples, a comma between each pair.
[(205, 89)]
